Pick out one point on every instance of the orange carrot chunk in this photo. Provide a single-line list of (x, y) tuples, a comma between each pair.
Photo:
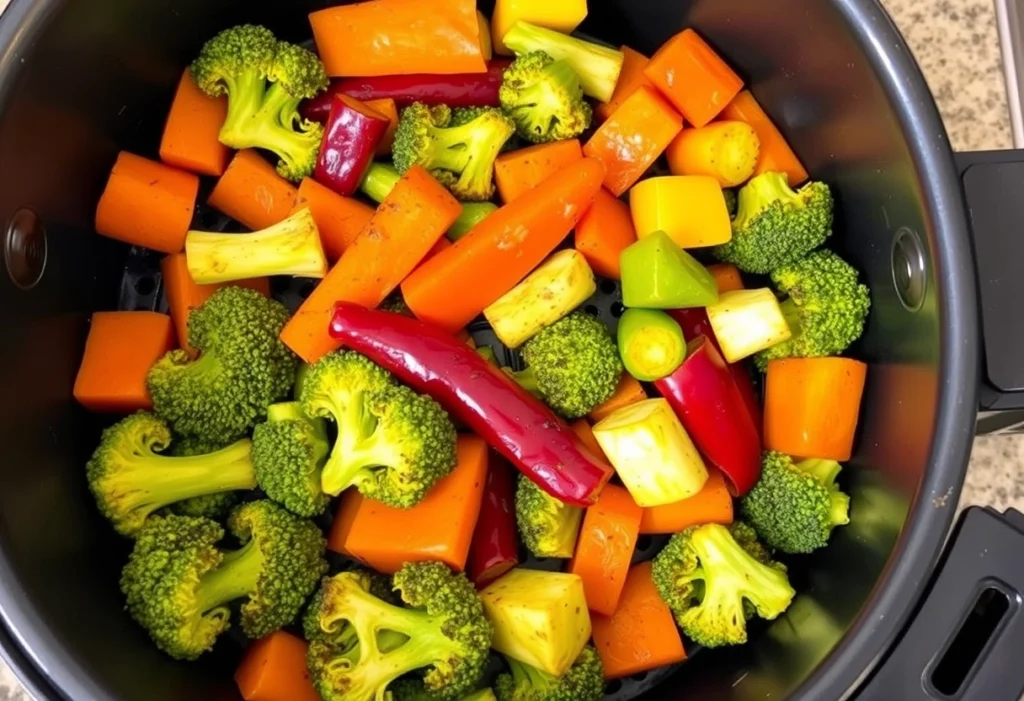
[(389, 109), (408, 223), (776, 156), (812, 405), (274, 669), (712, 504), (339, 219), (438, 528), (191, 138), (251, 192), (583, 431), (605, 548), (604, 232), (693, 77), (727, 277), (641, 635), (633, 137), (119, 351), (147, 204), (518, 171), (631, 78), (629, 391), (451, 289)]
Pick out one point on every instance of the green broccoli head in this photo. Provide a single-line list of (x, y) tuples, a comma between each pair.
[(444, 632), (415, 690), (575, 364), (731, 200), (826, 308), (265, 80), (215, 506), (583, 682), (243, 367), (544, 97), (131, 479), (774, 225), (548, 527), (341, 634), (795, 505), (713, 578), (460, 156), (289, 452)]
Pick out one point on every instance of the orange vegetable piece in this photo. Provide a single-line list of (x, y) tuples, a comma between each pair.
[(812, 405), (633, 137), (396, 37), (629, 391), (518, 171), (631, 78), (251, 192), (712, 504), (191, 138), (147, 204), (693, 77), (274, 669), (776, 155), (605, 548), (583, 431), (388, 108), (408, 223), (339, 219), (727, 277), (438, 528), (604, 232), (451, 289), (641, 635), (119, 351)]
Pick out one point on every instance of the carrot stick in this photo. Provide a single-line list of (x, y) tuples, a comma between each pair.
[(642, 634), (454, 287), (776, 156), (713, 504), (727, 277), (274, 669), (605, 548), (812, 405), (191, 138), (693, 77), (398, 37), (389, 109), (408, 223), (629, 391), (119, 351), (339, 219), (147, 204), (726, 151), (581, 428), (518, 171), (631, 78), (604, 232), (633, 137), (251, 192)]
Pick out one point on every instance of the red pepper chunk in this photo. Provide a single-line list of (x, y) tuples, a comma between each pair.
[(704, 395), (495, 546), (350, 142), (487, 400)]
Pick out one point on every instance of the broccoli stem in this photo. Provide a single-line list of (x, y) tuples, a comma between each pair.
[(761, 191), (545, 97), (235, 577), (728, 567), (354, 424), (791, 313), (252, 86), (825, 471), (380, 180)]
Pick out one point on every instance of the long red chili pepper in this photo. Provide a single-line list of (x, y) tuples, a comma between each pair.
[(495, 546), (513, 421), (349, 145), (459, 90)]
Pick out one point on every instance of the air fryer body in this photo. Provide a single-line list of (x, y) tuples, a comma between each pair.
[(81, 79)]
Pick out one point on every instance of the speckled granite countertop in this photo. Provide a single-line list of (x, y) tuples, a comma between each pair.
[(957, 44)]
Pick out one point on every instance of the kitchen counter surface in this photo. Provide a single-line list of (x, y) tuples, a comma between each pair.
[(957, 44)]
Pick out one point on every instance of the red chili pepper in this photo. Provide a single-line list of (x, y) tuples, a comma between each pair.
[(705, 397), (495, 547), (350, 143), (459, 90), (513, 421)]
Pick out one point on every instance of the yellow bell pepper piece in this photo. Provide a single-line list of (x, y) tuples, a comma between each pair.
[(691, 209), (561, 15)]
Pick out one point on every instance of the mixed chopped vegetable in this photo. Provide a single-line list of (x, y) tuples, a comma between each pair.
[(426, 191)]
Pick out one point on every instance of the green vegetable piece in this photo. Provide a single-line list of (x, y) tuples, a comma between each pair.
[(658, 274), (651, 344)]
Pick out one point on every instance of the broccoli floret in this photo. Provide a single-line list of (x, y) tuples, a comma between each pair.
[(826, 308), (731, 201), (178, 584), (583, 682), (243, 367), (265, 80), (444, 633), (574, 363), (549, 528), (131, 479), (414, 690), (288, 452), (396, 304), (215, 506), (460, 157), (795, 505), (774, 225), (714, 578), (544, 97), (393, 445)]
